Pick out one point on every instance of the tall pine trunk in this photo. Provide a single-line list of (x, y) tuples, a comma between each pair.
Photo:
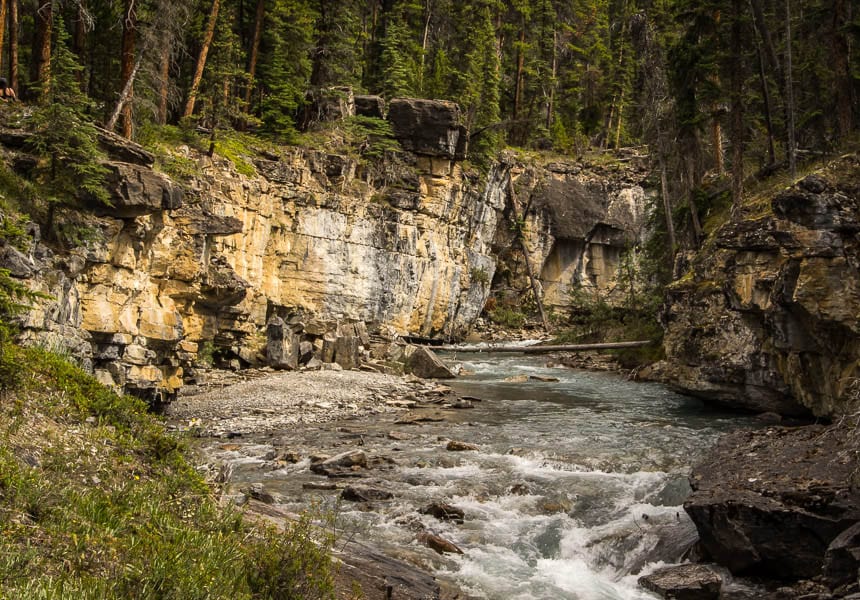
[(255, 49), (13, 44), (840, 49), (3, 9), (40, 67), (80, 40), (163, 83), (129, 40), (789, 93), (737, 82), (201, 58)]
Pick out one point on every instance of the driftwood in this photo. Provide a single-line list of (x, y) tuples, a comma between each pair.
[(538, 349)]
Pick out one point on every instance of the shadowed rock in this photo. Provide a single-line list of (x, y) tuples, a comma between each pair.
[(684, 582)]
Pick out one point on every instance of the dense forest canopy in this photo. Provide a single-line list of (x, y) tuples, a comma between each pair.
[(725, 87)]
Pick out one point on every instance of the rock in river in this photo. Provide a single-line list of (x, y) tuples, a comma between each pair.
[(364, 494), (343, 465), (684, 582), (425, 364), (444, 512)]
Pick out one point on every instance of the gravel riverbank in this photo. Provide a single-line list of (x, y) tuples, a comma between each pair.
[(271, 400)]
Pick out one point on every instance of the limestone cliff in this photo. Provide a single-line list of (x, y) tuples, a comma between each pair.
[(768, 317), (332, 244)]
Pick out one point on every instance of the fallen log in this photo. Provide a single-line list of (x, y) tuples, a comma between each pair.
[(538, 349)]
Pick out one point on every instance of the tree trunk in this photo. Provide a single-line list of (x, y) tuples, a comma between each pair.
[(737, 107), (124, 97), (618, 121), (789, 93), (424, 38), (80, 40), (163, 83), (518, 82), (3, 8), (550, 101), (667, 209), (840, 49), (40, 72), (255, 49), (129, 40), (13, 44), (768, 116), (201, 58)]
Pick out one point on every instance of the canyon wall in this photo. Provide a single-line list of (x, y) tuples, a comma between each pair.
[(143, 290), (768, 316)]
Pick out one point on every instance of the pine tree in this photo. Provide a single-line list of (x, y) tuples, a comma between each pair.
[(63, 132), (285, 66)]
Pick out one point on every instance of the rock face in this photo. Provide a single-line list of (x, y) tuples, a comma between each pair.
[(767, 318), (770, 502), (172, 277), (578, 222)]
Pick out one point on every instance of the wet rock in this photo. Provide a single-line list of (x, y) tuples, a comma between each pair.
[(458, 446), (344, 464), (553, 506), (312, 485), (365, 494), (460, 404), (425, 364), (684, 582), (769, 502), (842, 559), (419, 416), (306, 352), (520, 489), (517, 379), (282, 345), (543, 379), (399, 436), (439, 544), (444, 512), (258, 492)]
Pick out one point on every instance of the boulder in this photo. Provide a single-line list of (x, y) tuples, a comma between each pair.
[(842, 559), (769, 502), (137, 190), (430, 127), (425, 364), (370, 106), (444, 512), (282, 345), (346, 352), (365, 494), (458, 446), (684, 582), (344, 464), (439, 544)]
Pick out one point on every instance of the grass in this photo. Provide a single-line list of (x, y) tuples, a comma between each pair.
[(97, 500)]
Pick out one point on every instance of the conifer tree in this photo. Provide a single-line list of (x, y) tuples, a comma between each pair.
[(63, 132), (285, 67)]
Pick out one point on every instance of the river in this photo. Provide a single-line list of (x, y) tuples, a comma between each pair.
[(573, 490)]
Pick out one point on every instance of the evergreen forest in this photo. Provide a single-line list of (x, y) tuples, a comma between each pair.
[(720, 85)]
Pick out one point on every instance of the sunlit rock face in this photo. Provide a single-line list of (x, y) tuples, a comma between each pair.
[(768, 318), (404, 243)]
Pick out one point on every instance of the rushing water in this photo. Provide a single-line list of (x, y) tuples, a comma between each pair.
[(575, 484)]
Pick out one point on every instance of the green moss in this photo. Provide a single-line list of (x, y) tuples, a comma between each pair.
[(239, 148)]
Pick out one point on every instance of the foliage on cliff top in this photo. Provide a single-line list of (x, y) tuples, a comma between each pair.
[(97, 500)]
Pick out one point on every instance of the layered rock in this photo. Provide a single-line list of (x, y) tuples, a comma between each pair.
[(767, 318), (781, 503), (578, 221), (324, 246)]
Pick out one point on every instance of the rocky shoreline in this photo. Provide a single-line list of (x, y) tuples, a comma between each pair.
[(233, 406)]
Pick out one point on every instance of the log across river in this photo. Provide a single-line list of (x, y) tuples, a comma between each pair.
[(542, 349)]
